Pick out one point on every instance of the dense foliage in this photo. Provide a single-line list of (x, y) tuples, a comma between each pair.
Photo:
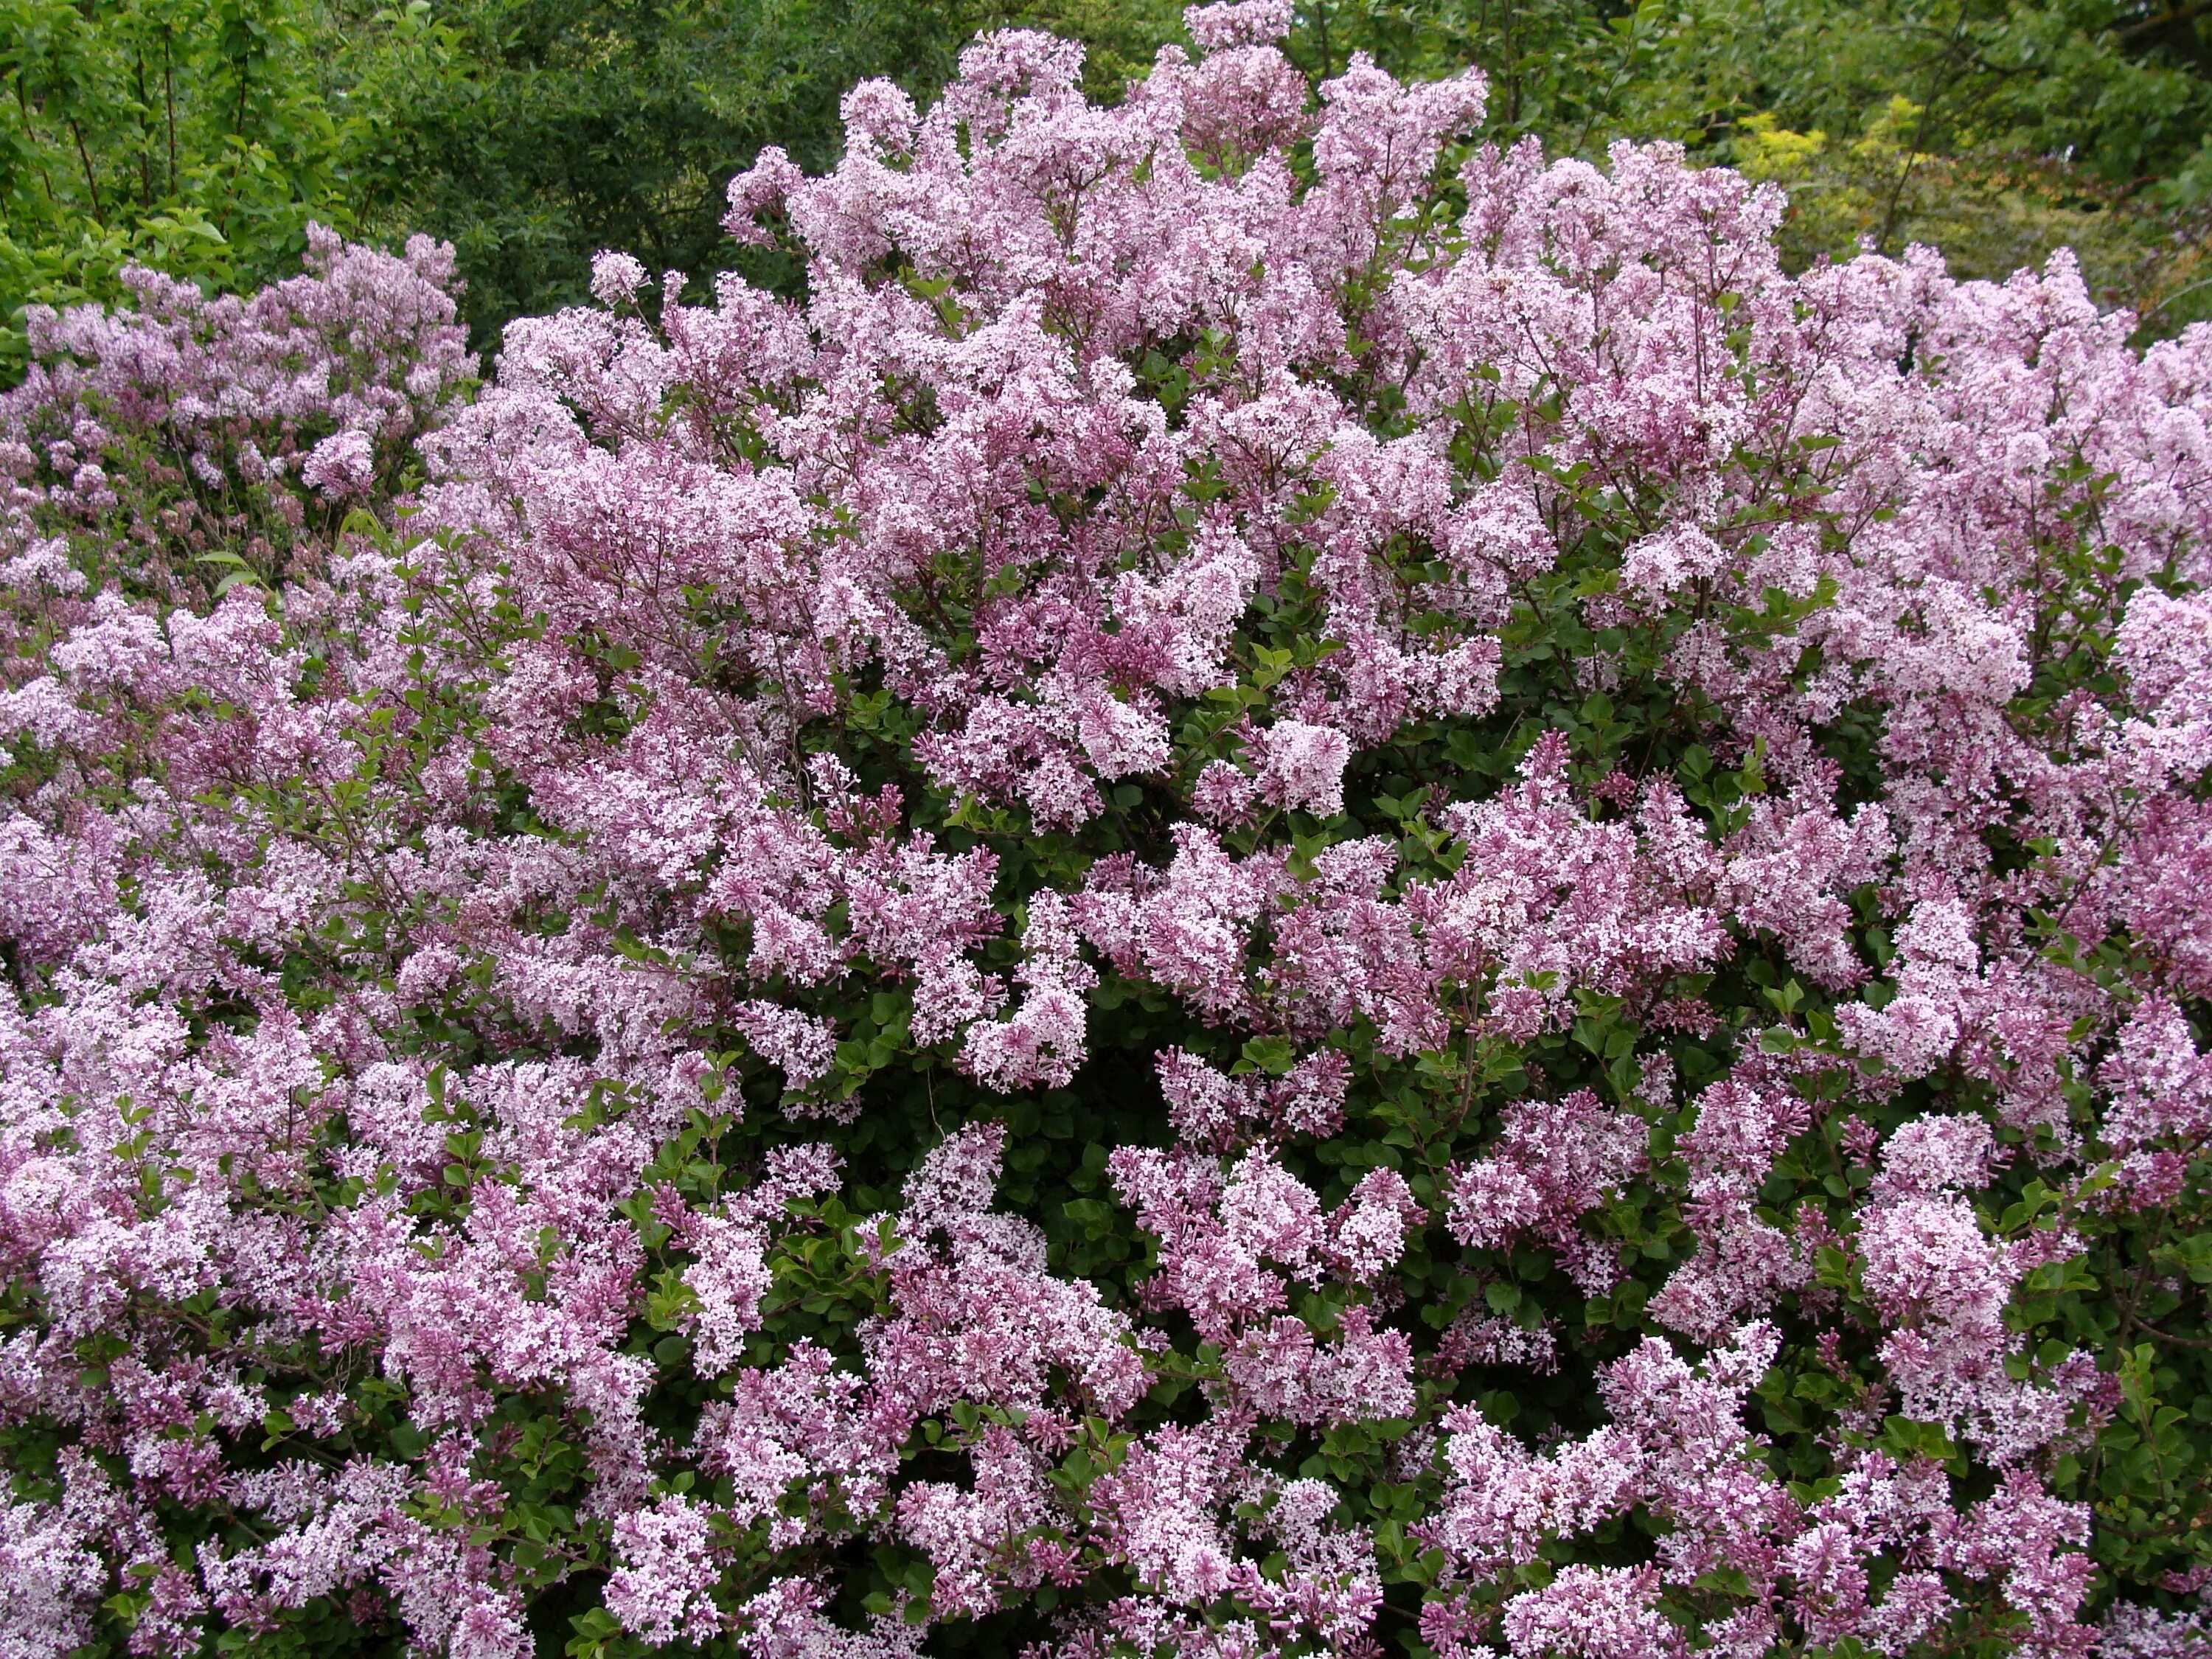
[(192, 137), (201, 139), (532, 133), (1252, 898)]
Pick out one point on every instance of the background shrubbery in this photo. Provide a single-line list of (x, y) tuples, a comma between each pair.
[(532, 133)]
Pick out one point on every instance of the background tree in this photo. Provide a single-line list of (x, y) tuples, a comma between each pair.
[(533, 133), (193, 136)]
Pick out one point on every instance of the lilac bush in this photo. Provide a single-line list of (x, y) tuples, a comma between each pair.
[(188, 442), (1285, 888)]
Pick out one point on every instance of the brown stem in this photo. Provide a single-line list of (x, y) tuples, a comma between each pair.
[(169, 99), (145, 159), (23, 102), (2148, 26), (2149, 1329), (91, 179)]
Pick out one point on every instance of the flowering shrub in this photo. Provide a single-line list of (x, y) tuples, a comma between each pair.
[(194, 433), (1254, 900)]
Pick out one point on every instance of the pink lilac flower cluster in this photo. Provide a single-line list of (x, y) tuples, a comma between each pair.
[(224, 432), (1281, 886)]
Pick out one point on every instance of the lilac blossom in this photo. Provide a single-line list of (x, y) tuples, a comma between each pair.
[(1277, 881)]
